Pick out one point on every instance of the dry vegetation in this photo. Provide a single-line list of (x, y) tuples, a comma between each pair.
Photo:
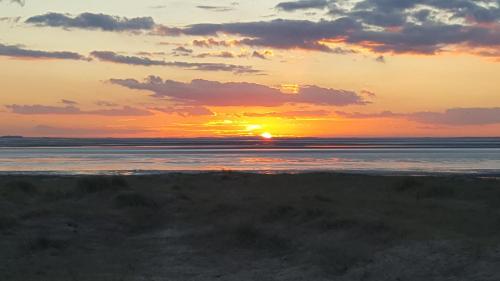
[(231, 226)]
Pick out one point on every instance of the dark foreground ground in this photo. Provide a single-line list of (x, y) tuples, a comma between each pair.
[(230, 226)]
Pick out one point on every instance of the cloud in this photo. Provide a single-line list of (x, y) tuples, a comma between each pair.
[(213, 93), (185, 111), (144, 61), (391, 13), (215, 8), (262, 54), (68, 102), (45, 130), (93, 21), (380, 59), (451, 117), (358, 115), (420, 26), (280, 34), (20, 2), (290, 114), (10, 19), (182, 51), (123, 111), (42, 109), (16, 51), (132, 60), (459, 116), (222, 54), (73, 110), (211, 42), (237, 69)]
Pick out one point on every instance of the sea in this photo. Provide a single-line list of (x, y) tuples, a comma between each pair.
[(416, 156)]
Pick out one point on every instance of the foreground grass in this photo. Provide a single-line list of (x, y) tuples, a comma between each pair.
[(230, 226)]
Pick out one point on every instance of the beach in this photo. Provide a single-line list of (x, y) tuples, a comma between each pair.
[(246, 226)]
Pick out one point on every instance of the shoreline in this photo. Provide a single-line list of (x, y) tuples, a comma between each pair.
[(388, 173)]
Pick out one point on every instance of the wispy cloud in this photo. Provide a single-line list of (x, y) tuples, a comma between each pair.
[(215, 8), (294, 114), (144, 61), (73, 110), (17, 51), (185, 111), (451, 117)]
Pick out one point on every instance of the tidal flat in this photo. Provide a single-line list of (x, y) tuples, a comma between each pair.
[(244, 226)]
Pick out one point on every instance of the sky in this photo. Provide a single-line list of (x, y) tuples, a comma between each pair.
[(217, 68)]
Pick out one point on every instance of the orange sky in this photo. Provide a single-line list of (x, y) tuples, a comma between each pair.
[(173, 69)]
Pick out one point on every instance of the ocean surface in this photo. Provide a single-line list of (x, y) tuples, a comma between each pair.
[(142, 156)]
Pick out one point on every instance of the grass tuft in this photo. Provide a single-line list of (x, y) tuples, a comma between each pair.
[(7, 222), (21, 186), (134, 200), (94, 184)]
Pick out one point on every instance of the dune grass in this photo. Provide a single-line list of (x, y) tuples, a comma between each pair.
[(233, 226)]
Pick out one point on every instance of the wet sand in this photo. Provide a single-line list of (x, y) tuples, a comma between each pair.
[(236, 226)]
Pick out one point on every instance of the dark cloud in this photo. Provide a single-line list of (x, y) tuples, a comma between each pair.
[(302, 5), (144, 61), (280, 34), (451, 117), (93, 21), (16, 51), (73, 110), (397, 12), (389, 26), (212, 93), (302, 34)]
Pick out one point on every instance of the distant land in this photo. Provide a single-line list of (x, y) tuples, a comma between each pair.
[(11, 137)]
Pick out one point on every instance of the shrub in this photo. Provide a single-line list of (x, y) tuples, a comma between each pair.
[(42, 243), (248, 235), (443, 191), (408, 183), (7, 221), (118, 181), (21, 186), (134, 200), (100, 183)]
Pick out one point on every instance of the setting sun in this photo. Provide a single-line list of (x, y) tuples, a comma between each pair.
[(266, 135)]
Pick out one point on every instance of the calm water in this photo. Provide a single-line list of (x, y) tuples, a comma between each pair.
[(74, 156)]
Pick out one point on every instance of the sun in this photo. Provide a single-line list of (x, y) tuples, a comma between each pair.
[(267, 135)]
